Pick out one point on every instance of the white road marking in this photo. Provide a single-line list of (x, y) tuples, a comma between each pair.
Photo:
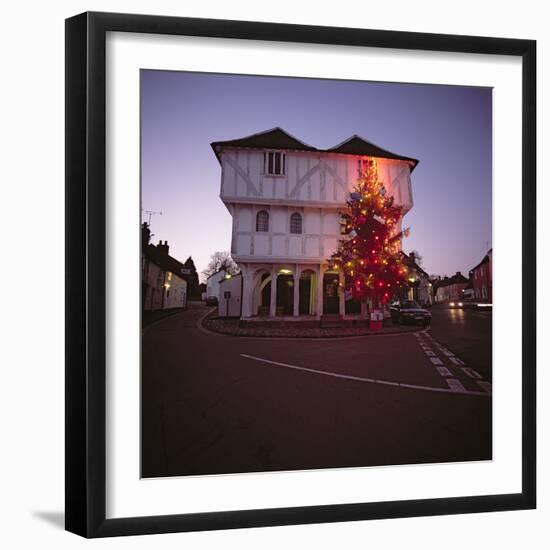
[(457, 361), (485, 385), (455, 385), (444, 371), (447, 352), (471, 373), (430, 353), (436, 360), (362, 379)]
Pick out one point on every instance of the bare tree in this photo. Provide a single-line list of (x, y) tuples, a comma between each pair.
[(219, 261)]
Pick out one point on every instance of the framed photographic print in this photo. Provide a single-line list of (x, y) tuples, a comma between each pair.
[(294, 294)]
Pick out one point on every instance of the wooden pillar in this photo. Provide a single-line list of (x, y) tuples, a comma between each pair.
[(341, 295), (321, 272), (296, 302), (364, 309), (273, 302), (248, 292)]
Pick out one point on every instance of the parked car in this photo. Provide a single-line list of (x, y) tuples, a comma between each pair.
[(211, 301), (409, 311)]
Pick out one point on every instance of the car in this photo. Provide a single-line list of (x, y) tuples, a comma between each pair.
[(211, 300), (470, 303), (409, 311)]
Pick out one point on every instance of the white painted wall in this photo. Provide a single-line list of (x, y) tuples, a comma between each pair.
[(230, 307), (213, 284), (315, 184)]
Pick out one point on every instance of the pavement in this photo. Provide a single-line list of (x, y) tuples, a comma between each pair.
[(213, 403)]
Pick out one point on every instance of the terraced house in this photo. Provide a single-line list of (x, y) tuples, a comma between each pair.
[(285, 197)]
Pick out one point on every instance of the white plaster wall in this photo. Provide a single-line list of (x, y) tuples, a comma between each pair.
[(315, 184), (310, 177)]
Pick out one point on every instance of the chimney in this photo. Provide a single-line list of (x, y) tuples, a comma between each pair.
[(412, 257), (164, 248), (145, 235)]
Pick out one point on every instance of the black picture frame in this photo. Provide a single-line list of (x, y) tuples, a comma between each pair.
[(86, 262)]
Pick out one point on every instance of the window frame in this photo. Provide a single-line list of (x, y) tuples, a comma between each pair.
[(282, 163), (293, 215), (263, 210)]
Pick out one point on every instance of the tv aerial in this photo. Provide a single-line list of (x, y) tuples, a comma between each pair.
[(150, 214)]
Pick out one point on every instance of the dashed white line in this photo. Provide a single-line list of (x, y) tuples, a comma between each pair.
[(457, 361), (436, 360), (471, 373), (455, 385), (444, 371), (367, 380), (485, 385)]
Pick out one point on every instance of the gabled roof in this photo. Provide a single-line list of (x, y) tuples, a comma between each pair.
[(277, 138), (484, 261), (412, 264), (455, 279), (163, 260), (356, 145)]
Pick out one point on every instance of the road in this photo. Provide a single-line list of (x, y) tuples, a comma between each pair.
[(468, 333), (219, 404)]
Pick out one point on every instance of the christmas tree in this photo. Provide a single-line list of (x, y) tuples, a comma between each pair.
[(369, 255)]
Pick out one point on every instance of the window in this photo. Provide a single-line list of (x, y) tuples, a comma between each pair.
[(362, 165), (296, 223), (262, 221), (274, 163)]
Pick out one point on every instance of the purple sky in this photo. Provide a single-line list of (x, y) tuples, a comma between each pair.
[(447, 127)]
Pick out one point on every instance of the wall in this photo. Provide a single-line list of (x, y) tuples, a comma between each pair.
[(176, 294), (313, 177), (213, 284), (230, 307), (314, 185), (32, 389)]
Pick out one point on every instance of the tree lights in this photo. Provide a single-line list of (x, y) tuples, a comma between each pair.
[(369, 255)]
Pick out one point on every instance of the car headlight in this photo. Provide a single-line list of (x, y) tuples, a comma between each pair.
[(452, 304), (459, 304)]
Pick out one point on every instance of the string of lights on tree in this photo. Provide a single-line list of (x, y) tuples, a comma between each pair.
[(370, 254)]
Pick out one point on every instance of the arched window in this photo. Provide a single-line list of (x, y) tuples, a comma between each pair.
[(262, 221), (296, 223)]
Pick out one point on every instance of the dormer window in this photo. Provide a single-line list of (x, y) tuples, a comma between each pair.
[(362, 165), (274, 163)]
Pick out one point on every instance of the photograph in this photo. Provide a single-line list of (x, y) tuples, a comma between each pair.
[(316, 273)]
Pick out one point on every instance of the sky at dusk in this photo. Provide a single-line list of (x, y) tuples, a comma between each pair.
[(448, 128)]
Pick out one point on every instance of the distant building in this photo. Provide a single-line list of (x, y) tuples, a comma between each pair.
[(469, 293), (229, 304), (192, 277), (213, 283), (163, 285), (420, 288), (481, 277), (450, 289)]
